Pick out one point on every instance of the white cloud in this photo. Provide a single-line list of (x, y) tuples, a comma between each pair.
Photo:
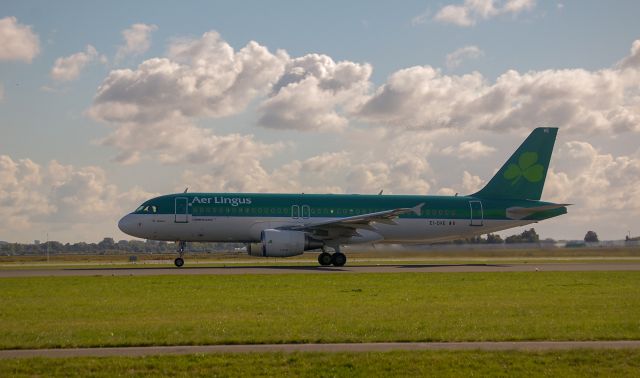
[(633, 60), (595, 180), (599, 185), (57, 196), (400, 167), (395, 162), (469, 185), (154, 107), (206, 78), (469, 150), (17, 41), (577, 100), (422, 98), (137, 40), (471, 11), (454, 14), (196, 145), (456, 58), (69, 68), (203, 77), (297, 176), (313, 92)]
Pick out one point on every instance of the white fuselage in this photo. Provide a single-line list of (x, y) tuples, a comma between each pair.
[(247, 229)]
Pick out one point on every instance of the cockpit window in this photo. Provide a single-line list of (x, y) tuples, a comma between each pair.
[(147, 209)]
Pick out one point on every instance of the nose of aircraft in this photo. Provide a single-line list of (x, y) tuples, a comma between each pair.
[(126, 224)]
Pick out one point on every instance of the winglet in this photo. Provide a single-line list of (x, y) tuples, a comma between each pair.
[(417, 209)]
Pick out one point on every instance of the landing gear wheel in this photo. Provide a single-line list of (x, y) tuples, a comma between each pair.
[(179, 261), (324, 259), (338, 259)]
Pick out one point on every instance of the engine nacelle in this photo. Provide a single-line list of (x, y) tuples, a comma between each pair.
[(283, 243)]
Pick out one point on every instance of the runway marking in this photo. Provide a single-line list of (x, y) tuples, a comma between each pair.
[(302, 269), (340, 347)]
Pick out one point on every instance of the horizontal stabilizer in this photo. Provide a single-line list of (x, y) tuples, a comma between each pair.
[(518, 213)]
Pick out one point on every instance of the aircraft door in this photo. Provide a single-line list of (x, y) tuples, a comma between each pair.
[(295, 211), (306, 211), (182, 210), (476, 214)]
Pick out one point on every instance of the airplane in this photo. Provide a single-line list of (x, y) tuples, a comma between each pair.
[(284, 225)]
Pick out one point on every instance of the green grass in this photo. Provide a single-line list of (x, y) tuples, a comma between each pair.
[(43, 312), (577, 363)]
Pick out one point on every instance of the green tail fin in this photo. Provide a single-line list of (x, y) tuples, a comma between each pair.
[(523, 175)]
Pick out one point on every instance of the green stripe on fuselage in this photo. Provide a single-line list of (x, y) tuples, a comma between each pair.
[(337, 205)]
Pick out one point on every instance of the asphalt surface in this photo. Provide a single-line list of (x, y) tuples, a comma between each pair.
[(289, 348), (311, 269)]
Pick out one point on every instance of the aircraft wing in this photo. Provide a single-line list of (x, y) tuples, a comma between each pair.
[(347, 226)]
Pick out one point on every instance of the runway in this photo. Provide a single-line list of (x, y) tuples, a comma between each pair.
[(345, 347), (313, 269)]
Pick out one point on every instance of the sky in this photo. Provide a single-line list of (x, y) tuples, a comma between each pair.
[(106, 104)]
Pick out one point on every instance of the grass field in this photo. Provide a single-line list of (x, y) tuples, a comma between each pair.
[(382, 255), (578, 363), (172, 310)]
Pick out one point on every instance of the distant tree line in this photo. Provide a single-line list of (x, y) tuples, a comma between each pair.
[(527, 236), (108, 245)]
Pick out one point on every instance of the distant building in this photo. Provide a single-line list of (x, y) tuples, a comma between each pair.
[(36, 242)]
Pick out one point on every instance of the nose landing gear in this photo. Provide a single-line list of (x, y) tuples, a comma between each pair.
[(179, 261)]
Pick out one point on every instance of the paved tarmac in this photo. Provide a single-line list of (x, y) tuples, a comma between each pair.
[(311, 269), (289, 348)]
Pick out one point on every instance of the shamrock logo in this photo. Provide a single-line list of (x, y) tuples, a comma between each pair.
[(526, 168)]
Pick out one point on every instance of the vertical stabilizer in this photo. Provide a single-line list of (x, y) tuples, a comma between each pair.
[(523, 175)]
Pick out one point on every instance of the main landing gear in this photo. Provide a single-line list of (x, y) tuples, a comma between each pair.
[(337, 259), (179, 261)]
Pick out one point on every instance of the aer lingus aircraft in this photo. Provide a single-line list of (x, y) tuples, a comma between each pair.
[(282, 225)]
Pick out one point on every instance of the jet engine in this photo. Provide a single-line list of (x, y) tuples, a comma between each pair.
[(283, 243)]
